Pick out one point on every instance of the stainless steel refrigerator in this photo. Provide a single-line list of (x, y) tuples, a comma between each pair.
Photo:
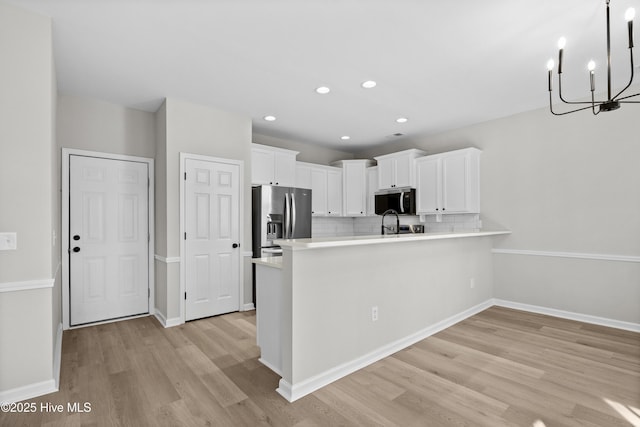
[(279, 213)]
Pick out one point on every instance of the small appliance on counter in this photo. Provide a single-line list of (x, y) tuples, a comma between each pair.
[(411, 228)]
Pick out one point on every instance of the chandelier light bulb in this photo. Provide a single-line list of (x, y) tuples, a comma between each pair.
[(630, 14), (562, 42), (591, 65), (550, 64)]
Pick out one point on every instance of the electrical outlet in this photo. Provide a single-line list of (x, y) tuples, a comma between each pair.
[(472, 282), (8, 241), (374, 313)]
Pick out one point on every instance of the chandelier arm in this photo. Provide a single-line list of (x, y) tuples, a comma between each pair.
[(572, 102), (629, 96), (630, 79), (568, 112)]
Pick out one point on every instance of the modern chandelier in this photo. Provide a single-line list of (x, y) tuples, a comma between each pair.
[(612, 102)]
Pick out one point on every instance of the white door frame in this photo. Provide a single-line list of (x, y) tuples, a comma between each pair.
[(66, 153), (183, 269)]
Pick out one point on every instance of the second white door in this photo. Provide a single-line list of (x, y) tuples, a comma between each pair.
[(212, 238)]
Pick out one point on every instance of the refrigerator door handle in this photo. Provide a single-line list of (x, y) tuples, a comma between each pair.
[(287, 213), (293, 215)]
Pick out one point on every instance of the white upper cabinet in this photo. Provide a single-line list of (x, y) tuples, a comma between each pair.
[(397, 169), (449, 182), (354, 186), (325, 183), (273, 166), (372, 187), (334, 192), (303, 175)]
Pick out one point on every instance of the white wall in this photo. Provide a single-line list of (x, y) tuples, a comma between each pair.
[(560, 184), (27, 108)]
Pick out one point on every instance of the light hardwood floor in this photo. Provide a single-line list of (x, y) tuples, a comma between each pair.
[(499, 367)]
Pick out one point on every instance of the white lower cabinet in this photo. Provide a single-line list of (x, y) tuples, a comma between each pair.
[(448, 183)]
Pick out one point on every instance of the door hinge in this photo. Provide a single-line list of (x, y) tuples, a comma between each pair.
[(148, 182), (185, 235), (185, 295), (185, 176), (148, 292), (148, 237)]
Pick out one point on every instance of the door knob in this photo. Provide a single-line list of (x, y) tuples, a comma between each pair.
[(76, 237), (76, 249), (235, 245)]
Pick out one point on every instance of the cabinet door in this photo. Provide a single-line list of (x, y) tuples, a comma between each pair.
[(428, 184), (318, 192), (334, 192), (261, 167), (454, 183), (372, 187), (284, 169), (403, 171), (303, 177), (354, 187), (386, 173)]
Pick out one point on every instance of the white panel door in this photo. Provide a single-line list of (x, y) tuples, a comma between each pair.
[(212, 232), (108, 239)]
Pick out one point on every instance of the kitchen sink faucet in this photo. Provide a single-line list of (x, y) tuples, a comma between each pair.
[(383, 227)]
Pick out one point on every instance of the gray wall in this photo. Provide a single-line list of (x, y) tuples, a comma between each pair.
[(193, 129), (560, 184), (90, 124), (27, 106), (308, 153)]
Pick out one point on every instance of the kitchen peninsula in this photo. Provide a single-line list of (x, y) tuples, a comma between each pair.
[(330, 306)]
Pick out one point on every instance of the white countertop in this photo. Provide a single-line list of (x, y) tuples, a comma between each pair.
[(272, 261), (328, 242)]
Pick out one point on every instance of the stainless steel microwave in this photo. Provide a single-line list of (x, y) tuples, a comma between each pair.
[(401, 200)]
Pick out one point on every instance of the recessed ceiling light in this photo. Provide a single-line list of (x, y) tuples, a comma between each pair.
[(369, 84), (322, 90), (269, 118), (345, 137), (402, 120)]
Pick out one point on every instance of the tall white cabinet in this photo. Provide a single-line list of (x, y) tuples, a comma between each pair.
[(354, 186), (448, 183), (273, 166)]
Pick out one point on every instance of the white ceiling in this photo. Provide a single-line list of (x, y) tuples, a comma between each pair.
[(441, 64)]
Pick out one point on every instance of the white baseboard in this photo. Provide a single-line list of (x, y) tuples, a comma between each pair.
[(28, 391), (586, 318), (57, 356), (167, 323), (292, 392), (248, 307)]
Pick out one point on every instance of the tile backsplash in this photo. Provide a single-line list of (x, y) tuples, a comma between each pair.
[(362, 226)]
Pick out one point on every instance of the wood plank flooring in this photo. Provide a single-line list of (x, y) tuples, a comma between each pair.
[(500, 367)]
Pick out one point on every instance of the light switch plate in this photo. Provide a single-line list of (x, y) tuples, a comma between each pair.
[(8, 241)]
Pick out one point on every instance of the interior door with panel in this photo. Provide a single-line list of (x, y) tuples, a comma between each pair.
[(108, 239), (212, 235)]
